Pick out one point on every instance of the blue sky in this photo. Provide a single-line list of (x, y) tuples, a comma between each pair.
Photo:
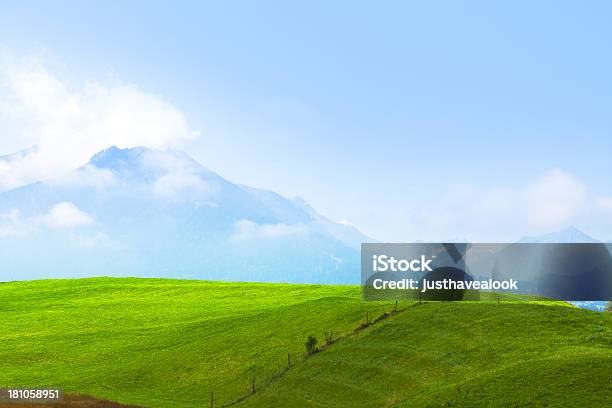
[(436, 120)]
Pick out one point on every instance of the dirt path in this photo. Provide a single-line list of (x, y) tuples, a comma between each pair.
[(71, 401)]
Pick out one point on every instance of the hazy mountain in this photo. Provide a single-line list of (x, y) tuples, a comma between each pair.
[(160, 213), (18, 155), (569, 235)]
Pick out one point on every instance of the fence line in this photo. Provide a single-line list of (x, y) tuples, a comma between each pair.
[(279, 374)]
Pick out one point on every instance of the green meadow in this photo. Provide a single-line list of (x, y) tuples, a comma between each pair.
[(171, 343)]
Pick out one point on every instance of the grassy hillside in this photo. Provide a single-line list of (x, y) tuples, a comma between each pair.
[(461, 354), (162, 343), (168, 343)]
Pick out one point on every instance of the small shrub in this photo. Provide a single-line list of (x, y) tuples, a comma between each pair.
[(311, 345)]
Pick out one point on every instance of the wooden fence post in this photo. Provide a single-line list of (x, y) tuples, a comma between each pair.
[(253, 387), (211, 399), (288, 360)]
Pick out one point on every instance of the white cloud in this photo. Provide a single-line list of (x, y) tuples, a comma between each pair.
[(552, 201), (69, 123), (11, 223), (604, 204), (178, 176), (63, 215), (176, 184), (555, 199), (246, 229), (86, 176)]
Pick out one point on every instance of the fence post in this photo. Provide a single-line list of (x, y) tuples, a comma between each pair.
[(396, 305), (367, 318), (211, 399), (253, 387), (288, 360)]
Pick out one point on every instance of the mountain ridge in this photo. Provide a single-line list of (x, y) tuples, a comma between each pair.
[(569, 235), (172, 217)]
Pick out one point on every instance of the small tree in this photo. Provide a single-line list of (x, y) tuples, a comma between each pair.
[(609, 307), (311, 345)]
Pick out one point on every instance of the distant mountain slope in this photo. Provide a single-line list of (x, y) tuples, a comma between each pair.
[(299, 211), (18, 155), (346, 233), (160, 213), (568, 235)]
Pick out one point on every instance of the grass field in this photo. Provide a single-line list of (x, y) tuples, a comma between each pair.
[(170, 343)]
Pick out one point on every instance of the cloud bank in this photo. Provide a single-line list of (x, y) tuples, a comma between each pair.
[(554, 200), (67, 124), (61, 124), (61, 216)]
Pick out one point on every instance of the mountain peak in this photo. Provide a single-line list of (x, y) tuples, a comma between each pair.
[(572, 230), (115, 157)]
